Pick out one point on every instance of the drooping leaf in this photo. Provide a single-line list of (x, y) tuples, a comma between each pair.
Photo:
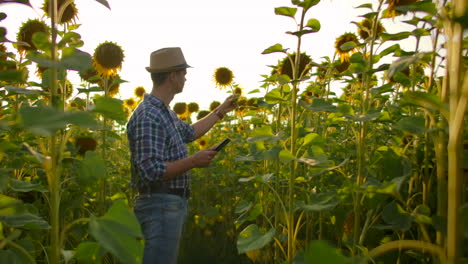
[(89, 252), (274, 96), (17, 214), (420, 6), (41, 41), (389, 50), (286, 11), (396, 36), (403, 63), (251, 238), (118, 232), (321, 202), (92, 168), (306, 4), (12, 76), (19, 90), (426, 100), (314, 24), (75, 59), (319, 105), (321, 252), (413, 124), (22, 186), (348, 46), (286, 155), (110, 107), (396, 217), (104, 3), (9, 256)]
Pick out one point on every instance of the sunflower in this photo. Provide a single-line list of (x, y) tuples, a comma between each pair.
[(108, 58), (90, 75), (68, 87), (78, 103), (285, 66), (202, 114), (180, 108), (26, 32), (193, 107), (3, 51), (237, 91), (70, 14), (214, 105), (130, 103), (345, 38), (202, 143), (223, 77), (342, 66), (252, 102), (140, 92), (85, 143), (242, 104), (391, 12), (365, 28), (113, 85)]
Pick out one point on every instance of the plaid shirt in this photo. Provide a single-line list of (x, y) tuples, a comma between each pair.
[(156, 135)]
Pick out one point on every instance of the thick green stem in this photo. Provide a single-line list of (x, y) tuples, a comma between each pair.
[(457, 102)]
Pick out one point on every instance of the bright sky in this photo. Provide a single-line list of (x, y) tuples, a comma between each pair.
[(211, 33)]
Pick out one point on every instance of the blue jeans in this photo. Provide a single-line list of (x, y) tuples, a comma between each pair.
[(162, 217)]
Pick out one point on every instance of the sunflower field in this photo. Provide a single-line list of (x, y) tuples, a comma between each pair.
[(374, 172)]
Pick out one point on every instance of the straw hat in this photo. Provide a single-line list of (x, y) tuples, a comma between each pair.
[(167, 60)]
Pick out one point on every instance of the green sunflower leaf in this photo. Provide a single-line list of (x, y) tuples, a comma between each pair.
[(45, 120), (413, 124), (89, 252), (365, 6), (104, 3), (321, 202), (321, 252), (314, 24), (15, 213), (286, 11), (306, 4), (118, 232), (22, 186), (92, 168), (110, 107), (274, 48), (403, 63), (348, 46), (274, 96), (397, 36), (286, 155), (24, 2), (75, 59), (422, 6), (397, 218), (426, 100), (12, 76), (252, 238)]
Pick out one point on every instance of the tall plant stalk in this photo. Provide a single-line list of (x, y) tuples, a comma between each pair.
[(458, 100), (53, 171)]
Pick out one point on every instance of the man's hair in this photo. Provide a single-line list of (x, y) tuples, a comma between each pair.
[(159, 77)]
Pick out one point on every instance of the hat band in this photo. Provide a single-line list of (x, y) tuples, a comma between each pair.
[(170, 69)]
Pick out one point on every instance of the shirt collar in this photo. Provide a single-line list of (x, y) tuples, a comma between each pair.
[(154, 101)]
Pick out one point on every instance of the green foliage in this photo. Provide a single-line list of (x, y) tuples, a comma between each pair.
[(118, 232), (252, 238)]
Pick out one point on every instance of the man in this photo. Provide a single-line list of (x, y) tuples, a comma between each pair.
[(159, 158)]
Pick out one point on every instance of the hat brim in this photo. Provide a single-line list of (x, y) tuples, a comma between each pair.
[(170, 69)]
